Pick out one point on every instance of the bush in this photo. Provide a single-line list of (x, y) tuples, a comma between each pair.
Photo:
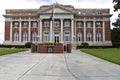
[(116, 44), (49, 43), (84, 44), (28, 44)]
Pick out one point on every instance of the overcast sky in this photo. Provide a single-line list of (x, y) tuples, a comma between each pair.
[(31, 4)]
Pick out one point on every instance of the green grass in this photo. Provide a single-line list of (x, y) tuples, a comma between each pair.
[(4, 51), (111, 54)]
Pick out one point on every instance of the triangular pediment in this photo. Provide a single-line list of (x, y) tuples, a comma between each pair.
[(57, 9)]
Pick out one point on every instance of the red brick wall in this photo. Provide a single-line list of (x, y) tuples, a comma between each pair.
[(107, 31), (58, 48), (7, 31)]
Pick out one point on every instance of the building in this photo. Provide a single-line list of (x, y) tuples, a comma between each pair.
[(71, 25)]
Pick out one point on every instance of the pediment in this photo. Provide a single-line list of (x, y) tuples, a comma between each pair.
[(56, 9)]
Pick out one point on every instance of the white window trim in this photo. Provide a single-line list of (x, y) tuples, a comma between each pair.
[(66, 23), (46, 23), (46, 37), (66, 35)]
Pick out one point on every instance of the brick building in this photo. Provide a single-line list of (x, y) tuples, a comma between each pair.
[(71, 25)]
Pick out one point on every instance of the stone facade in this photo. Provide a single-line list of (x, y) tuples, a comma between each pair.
[(68, 25)]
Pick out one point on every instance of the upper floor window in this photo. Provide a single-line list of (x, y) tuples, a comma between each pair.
[(46, 36), (79, 24), (57, 23), (34, 24), (16, 36), (67, 36), (34, 36), (25, 36), (89, 24), (98, 24), (25, 24), (46, 23), (66, 23), (16, 24)]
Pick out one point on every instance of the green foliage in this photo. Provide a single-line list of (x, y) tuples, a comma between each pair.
[(116, 5), (28, 44), (84, 44), (110, 54), (115, 37), (49, 43)]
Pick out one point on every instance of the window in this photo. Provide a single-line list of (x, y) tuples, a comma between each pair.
[(46, 24), (89, 36), (16, 36), (89, 24), (57, 23), (34, 36), (98, 36), (67, 23), (46, 36), (16, 24), (34, 24), (25, 24), (79, 36), (79, 24), (67, 36), (98, 24), (25, 36)]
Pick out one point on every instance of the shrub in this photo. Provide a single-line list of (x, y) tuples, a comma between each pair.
[(28, 44), (116, 44), (49, 43), (84, 44)]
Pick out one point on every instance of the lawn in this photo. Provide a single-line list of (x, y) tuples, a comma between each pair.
[(111, 54), (4, 51)]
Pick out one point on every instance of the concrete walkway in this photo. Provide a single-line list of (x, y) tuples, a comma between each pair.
[(79, 66)]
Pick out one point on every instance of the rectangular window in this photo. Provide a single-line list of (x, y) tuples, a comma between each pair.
[(79, 24), (57, 23), (46, 36), (25, 24), (67, 23), (89, 24), (46, 23), (16, 24), (67, 36), (34, 24)]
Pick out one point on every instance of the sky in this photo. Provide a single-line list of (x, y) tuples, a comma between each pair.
[(35, 4)]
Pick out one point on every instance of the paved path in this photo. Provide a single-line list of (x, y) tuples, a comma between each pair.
[(80, 66)]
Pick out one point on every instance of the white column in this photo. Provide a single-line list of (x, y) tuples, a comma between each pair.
[(11, 31), (61, 30), (51, 31), (20, 30), (94, 32), (29, 31), (72, 30), (40, 31), (84, 31), (103, 28)]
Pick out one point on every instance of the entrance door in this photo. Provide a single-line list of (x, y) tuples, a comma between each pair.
[(65, 48), (56, 38)]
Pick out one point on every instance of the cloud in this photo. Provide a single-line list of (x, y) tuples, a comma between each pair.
[(23, 4)]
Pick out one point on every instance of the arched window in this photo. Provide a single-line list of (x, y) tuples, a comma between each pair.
[(79, 36), (25, 36), (98, 36), (34, 36), (16, 36), (89, 36)]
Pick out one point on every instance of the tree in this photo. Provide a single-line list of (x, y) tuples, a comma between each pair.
[(115, 33), (117, 23), (116, 5)]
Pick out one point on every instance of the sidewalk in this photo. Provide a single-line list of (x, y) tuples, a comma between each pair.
[(33, 66)]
